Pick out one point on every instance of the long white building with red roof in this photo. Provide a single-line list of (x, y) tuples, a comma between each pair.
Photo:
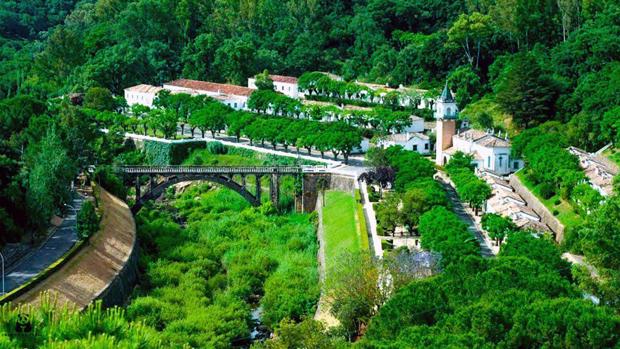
[(232, 95)]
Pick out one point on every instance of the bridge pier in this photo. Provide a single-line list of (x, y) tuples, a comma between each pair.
[(258, 188), (138, 188), (274, 189)]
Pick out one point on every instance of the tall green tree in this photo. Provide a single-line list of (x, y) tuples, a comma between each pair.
[(524, 91)]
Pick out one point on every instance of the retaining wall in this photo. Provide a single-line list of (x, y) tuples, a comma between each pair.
[(105, 269), (532, 201)]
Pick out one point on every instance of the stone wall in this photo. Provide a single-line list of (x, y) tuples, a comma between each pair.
[(311, 192), (532, 201), (105, 269), (342, 183)]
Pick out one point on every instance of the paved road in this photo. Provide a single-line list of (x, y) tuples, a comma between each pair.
[(354, 168), (369, 212), (459, 209), (61, 241)]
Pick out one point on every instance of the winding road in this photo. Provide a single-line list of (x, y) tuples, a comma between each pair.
[(56, 245)]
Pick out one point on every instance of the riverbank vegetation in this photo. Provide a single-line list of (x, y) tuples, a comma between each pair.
[(209, 259)]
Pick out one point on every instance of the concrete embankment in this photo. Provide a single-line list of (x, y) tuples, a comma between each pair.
[(104, 269), (532, 201)]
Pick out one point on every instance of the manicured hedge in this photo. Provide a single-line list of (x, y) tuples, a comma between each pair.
[(170, 153)]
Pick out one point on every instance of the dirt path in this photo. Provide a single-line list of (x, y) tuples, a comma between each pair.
[(466, 217)]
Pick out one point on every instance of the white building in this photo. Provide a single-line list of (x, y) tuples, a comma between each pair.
[(287, 85), (417, 125), (141, 94), (232, 95), (414, 141), (490, 152)]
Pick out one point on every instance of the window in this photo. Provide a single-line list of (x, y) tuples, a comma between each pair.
[(488, 162), (415, 147), (282, 88), (515, 165), (425, 146), (500, 161), (449, 111), (235, 105)]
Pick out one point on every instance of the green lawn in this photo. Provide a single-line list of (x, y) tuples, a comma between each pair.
[(566, 215), (341, 229)]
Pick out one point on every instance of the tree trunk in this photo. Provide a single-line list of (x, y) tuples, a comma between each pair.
[(203, 133)]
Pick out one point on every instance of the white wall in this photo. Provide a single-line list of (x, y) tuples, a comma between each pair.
[(417, 144), (142, 98), (416, 126)]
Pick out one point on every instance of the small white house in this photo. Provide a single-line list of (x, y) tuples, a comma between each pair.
[(417, 125), (141, 94), (287, 85), (415, 141), (232, 95)]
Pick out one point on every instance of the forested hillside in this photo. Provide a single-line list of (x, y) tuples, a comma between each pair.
[(529, 60)]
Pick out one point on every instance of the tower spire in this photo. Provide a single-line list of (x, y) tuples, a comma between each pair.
[(446, 95)]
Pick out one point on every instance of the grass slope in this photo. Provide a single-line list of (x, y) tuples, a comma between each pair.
[(566, 215), (341, 227)]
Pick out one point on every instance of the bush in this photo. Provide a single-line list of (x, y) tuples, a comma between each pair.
[(556, 212), (161, 153), (107, 178), (217, 148), (557, 202), (87, 220), (546, 190)]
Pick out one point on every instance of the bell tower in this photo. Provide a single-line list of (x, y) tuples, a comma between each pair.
[(446, 113)]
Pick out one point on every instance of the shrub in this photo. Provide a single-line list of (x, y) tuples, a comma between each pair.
[(161, 153), (217, 148), (546, 190), (557, 202), (87, 220), (556, 212), (107, 178)]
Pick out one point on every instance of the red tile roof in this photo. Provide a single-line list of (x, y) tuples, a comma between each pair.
[(212, 87), (284, 79)]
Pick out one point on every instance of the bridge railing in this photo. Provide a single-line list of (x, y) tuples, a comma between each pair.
[(140, 170)]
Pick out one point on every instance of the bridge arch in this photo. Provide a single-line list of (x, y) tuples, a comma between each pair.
[(157, 190)]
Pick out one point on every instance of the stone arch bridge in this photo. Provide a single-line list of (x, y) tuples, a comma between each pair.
[(232, 177)]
